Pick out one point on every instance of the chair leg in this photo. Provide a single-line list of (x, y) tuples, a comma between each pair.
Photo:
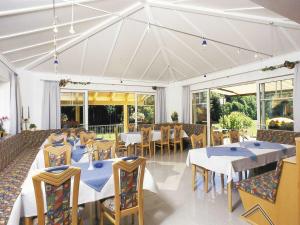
[(169, 148), (117, 220), (101, 215), (181, 146), (161, 149), (222, 180), (154, 149), (175, 147), (150, 150), (28, 221), (141, 216), (205, 180), (132, 219), (193, 177)]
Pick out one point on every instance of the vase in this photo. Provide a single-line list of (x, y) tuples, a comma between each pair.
[(91, 165)]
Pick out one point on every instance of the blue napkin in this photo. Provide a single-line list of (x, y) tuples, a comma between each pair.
[(57, 144), (78, 153), (98, 177)]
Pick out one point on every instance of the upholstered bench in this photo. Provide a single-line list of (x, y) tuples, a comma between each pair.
[(264, 186)]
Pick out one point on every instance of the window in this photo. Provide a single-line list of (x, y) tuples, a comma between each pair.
[(199, 107), (276, 105), (146, 109), (72, 109)]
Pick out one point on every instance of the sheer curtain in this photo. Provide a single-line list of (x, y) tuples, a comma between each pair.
[(51, 106), (296, 98), (15, 104), (186, 104), (160, 105)]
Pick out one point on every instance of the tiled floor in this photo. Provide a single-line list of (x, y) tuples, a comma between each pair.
[(177, 204)]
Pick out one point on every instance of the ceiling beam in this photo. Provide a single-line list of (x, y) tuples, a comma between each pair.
[(151, 63), (6, 63), (83, 57), (30, 57), (21, 11), (135, 52), (183, 61), (197, 54), (202, 33), (115, 40), (180, 73), (42, 29), (162, 73), (221, 14), (39, 44), (92, 31), (158, 37)]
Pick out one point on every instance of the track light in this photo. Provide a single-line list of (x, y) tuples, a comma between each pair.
[(204, 42)]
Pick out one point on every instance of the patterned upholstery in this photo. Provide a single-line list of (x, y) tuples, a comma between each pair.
[(131, 127), (57, 160), (217, 138), (278, 136), (146, 136), (109, 204), (58, 204), (198, 141), (165, 132), (128, 187), (177, 133), (140, 126), (265, 185), (234, 136)]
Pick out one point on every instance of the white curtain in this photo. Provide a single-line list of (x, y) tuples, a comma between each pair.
[(296, 98), (160, 105), (15, 104), (51, 106), (186, 104)]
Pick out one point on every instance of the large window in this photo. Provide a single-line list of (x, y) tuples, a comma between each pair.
[(72, 109), (276, 105), (146, 109)]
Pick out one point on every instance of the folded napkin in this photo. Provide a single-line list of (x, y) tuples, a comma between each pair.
[(78, 153), (98, 177)]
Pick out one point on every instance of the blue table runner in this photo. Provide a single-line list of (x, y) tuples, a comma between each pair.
[(98, 177)]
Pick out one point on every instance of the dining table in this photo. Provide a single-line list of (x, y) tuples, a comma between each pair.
[(94, 184), (233, 158)]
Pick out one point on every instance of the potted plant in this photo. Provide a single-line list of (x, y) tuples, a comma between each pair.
[(174, 117), (2, 120), (32, 127)]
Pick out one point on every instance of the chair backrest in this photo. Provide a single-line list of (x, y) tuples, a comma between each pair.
[(131, 127), (85, 136), (103, 149), (57, 156), (165, 134), (146, 136), (234, 136), (58, 195), (129, 179), (198, 141), (217, 138), (57, 138), (177, 133)]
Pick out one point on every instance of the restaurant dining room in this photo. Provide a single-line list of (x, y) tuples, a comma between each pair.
[(149, 112)]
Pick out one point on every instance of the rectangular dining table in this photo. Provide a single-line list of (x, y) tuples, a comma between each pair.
[(233, 158)]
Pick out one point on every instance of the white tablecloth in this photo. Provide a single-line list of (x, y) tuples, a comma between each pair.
[(230, 164), (136, 137)]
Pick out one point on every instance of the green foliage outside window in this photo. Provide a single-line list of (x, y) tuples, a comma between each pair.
[(236, 121)]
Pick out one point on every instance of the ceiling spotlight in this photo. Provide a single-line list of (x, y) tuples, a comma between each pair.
[(72, 31), (204, 75), (204, 42)]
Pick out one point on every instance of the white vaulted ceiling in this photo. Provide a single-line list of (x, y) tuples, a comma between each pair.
[(113, 38)]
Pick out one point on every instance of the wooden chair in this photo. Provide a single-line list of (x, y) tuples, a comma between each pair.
[(58, 196), (199, 141), (129, 197), (57, 156), (57, 137), (234, 136), (218, 139), (120, 145), (177, 138), (85, 136), (164, 140), (102, 149), (131, 127), (146, 136)]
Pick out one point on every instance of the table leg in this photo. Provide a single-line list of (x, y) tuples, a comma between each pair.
[(193, 177), (28, 221), (205, 180), (229, 193), (222, 181)]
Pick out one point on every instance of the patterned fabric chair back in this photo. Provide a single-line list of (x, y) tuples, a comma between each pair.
[(165, 134), (57, 156), (57, 138), (234, 136), (58, 196), (177, 133), (278, 136), (131, 127), (146, 136), (217, 138), (129, 178), (85, 136), (198, 141), (104, 149)]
